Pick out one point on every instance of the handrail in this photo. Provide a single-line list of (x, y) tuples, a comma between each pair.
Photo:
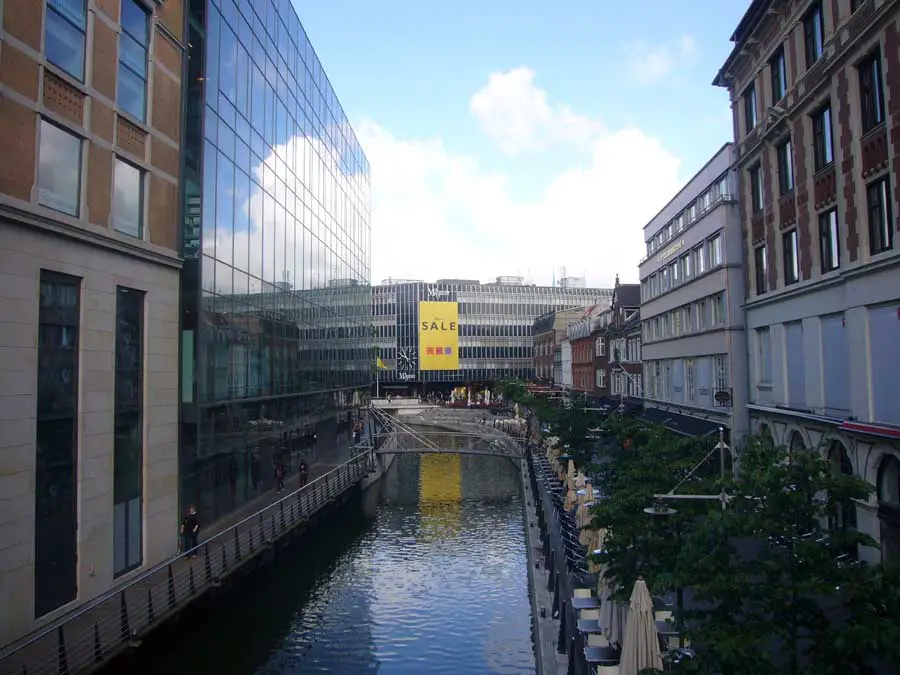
[(317, 493)]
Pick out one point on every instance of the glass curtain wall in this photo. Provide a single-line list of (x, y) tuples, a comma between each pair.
[(277, 299), (495, 327)]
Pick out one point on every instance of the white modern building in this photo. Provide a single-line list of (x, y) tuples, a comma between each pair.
[(692, 294)]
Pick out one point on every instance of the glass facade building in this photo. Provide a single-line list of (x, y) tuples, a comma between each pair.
[(276, 294), (495, 327)]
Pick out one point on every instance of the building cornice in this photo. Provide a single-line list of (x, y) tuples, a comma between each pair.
[(27, 215)]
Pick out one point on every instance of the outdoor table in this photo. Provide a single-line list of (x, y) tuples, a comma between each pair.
[(589, 626), (604, 656), (585, 603)]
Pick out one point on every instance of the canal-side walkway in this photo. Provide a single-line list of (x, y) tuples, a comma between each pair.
[(89, 636)]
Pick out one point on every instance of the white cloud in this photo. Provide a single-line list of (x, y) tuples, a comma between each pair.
[(515, 114), (650, 64), (438, 214), (265, 243)]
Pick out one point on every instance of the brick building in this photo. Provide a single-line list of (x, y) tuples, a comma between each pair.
[(90, 126), (582, 345), (815, 88), (617, 371), (548, 333)]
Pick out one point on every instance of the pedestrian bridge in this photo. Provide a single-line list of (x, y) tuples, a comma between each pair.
[(457, 434)]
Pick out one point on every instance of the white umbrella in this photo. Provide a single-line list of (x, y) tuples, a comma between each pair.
[(641, 647), (613, 615)]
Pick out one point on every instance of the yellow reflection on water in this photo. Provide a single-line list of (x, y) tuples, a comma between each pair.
[(440, 495)]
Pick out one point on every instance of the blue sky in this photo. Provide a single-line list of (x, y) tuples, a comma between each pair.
[(508, 137)]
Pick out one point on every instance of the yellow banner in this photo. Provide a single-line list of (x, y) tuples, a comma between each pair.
[(438, 336)]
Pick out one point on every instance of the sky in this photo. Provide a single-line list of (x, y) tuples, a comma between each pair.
[(524, 138)]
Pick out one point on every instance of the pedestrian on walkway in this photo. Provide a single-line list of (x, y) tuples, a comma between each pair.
[(279, 474), (304, 473), (190, 532)]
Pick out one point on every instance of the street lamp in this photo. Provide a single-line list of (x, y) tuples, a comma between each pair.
[(723, 497)]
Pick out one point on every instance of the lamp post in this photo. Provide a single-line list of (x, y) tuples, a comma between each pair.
[(723, 497)]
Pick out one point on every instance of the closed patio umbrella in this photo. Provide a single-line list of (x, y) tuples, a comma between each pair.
[(641, 645)]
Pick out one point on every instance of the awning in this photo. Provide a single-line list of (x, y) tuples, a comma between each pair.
[(879, 430), (686, 425)]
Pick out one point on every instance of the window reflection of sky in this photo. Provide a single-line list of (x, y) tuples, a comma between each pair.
[(286, 183)]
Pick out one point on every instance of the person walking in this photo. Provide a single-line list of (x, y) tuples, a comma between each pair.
[(304, 473), (279, 474), (190, 532)]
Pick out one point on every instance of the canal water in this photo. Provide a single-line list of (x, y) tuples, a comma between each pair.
[(427, 573)]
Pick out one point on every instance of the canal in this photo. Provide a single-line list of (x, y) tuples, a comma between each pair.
[(425, 573)]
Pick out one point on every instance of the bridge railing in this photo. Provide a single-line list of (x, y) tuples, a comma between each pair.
[(88, 636)]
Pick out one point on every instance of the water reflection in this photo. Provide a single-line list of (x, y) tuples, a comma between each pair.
[(434, 581)]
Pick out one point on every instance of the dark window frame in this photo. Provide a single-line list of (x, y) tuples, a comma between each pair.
[(56, 466), (813, 34), (786, 178), (128, 449), (871, 92), (829, 241), (751, 108), (757, 191), (761, 269), (790, 249), (880, 216), (823, 139), (778, 75)]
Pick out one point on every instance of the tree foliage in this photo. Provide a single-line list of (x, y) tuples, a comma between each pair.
[(635, 462), (766, 571)]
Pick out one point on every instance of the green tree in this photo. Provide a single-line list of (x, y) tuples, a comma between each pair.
[(765, 568), (637, 461)]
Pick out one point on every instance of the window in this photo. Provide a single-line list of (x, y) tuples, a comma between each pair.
[(128, 421), (881, 235), (756, 189), (718, 309), (813, 34), (763, 355), (600, 378), (64, 35), (600, 346), (785, 168), (675, 273), (714, 246), (59, 169), (132, 80), (56, 467), (690, 389), (688, 269), (750, 108), (723, 190), (720, 379), (829, 242), (128, 199), (791, 251), (698, 260), (871, 93), (761, 267), (822, 139), (778, 71)]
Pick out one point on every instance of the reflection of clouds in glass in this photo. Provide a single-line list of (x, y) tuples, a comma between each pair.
[(59, 167), (126, 207), (300, 220)]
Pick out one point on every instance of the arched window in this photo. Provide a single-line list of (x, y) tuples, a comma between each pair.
[(842, 514), (764, 431), (796, 443), (888, 488)]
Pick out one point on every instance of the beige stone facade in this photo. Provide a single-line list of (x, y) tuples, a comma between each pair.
[(82, 101), (24, 252)]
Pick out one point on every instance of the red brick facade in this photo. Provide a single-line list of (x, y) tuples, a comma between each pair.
[(833, 79), (583, 364)]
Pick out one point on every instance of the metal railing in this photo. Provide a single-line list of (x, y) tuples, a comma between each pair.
[(88, 636)]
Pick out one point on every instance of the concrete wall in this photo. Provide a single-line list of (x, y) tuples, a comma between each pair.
[(24, 252)]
